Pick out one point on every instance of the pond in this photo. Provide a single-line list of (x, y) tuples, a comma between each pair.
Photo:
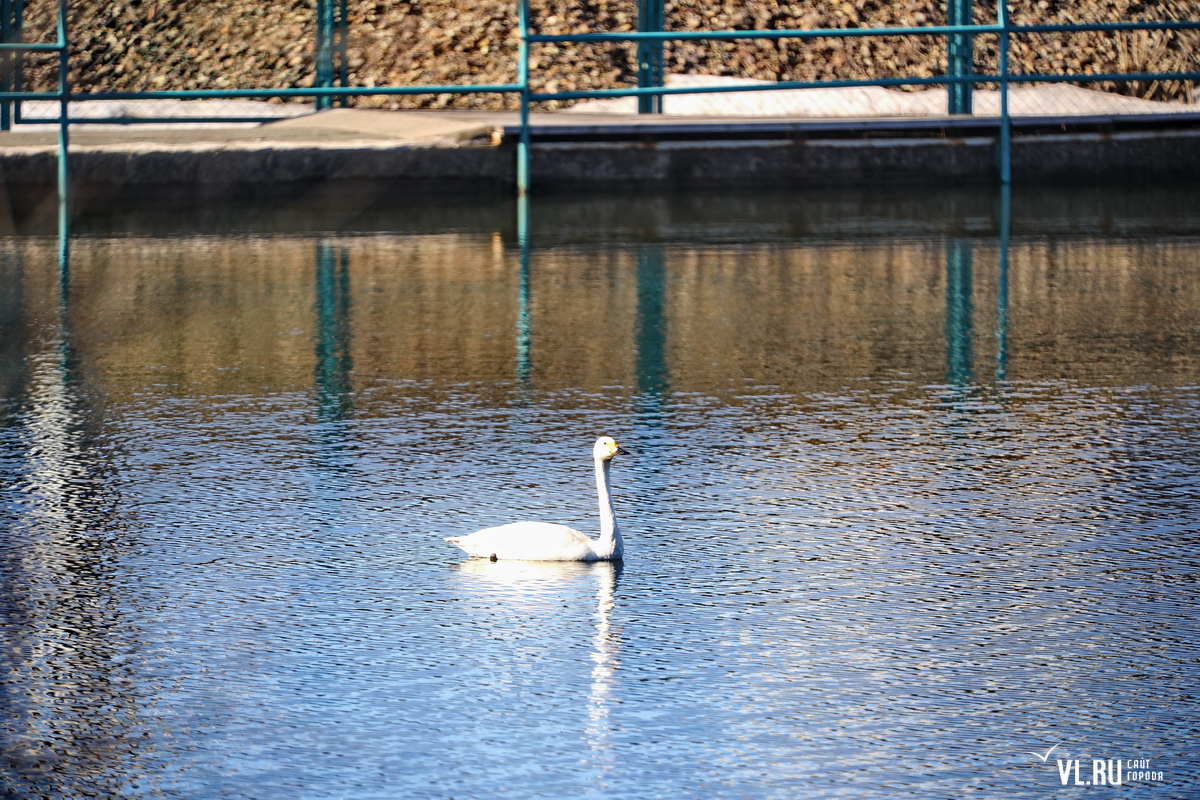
[(909, 502)]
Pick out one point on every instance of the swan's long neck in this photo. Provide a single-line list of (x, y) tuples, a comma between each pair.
[(609, 544)]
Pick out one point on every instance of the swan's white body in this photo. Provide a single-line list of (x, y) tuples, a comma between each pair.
[(544, 541)]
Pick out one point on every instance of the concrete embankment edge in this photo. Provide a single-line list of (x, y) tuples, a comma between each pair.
[(210, 173)]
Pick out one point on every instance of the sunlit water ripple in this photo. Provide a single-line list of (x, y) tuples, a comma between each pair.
[(870, 583)]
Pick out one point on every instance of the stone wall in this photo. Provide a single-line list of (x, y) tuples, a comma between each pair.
[(192, 44)]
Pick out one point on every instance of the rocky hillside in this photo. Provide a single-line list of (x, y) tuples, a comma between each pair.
[(190, 44)]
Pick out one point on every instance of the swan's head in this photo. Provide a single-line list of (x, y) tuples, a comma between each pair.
[(607, 447)]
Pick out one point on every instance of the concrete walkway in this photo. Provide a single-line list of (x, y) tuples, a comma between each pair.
[(298, 124), (849, 137), (338, 127)]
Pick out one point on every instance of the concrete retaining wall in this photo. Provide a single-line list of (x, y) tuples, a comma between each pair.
[(207, 173)]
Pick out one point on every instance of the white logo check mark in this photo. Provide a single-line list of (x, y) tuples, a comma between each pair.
[(1048, 752)]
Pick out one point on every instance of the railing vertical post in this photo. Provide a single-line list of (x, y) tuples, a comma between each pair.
[(6, 31), (18, 58), (523, 82), (1004, 145), (64, 179), (650, 55), (324, 77), (343, 28), (960, 56)]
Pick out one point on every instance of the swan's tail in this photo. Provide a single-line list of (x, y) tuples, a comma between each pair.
[(462, 544)]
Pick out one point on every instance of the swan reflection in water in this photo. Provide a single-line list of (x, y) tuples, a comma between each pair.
[(543, 587)]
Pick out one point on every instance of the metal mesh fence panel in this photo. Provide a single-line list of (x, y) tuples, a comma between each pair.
[(432, 44), (1097, 53), (157, 46)]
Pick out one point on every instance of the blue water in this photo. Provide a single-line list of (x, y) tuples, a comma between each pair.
[(897, 515)]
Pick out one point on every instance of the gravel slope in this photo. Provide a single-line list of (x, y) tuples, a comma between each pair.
[(188, 44)]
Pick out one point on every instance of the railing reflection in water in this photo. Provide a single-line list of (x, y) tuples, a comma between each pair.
[(960, 327), (651, 334), (334, 363)]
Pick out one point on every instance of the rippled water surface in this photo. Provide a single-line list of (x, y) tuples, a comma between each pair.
[(899, 515)]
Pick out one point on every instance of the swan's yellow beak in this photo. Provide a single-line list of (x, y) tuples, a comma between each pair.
[(616, 450)]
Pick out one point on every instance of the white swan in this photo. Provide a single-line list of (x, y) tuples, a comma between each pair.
[(544, 541)]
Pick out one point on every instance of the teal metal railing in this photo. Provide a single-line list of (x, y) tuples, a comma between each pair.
[(649, 39), (651, 19), (960, 55), (331, 38), (11, 89), (959, 79)]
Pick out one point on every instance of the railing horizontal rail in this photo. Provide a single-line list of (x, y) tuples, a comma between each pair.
[(821, 33), (30, 96), (600, 94), (31, 47), (1105, 26), (314, 91), (33, 119), (1034, 77), (940, 80), (846, 33)]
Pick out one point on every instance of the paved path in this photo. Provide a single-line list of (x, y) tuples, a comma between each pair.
[(370, 129), (730, 140), (340, 127)]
